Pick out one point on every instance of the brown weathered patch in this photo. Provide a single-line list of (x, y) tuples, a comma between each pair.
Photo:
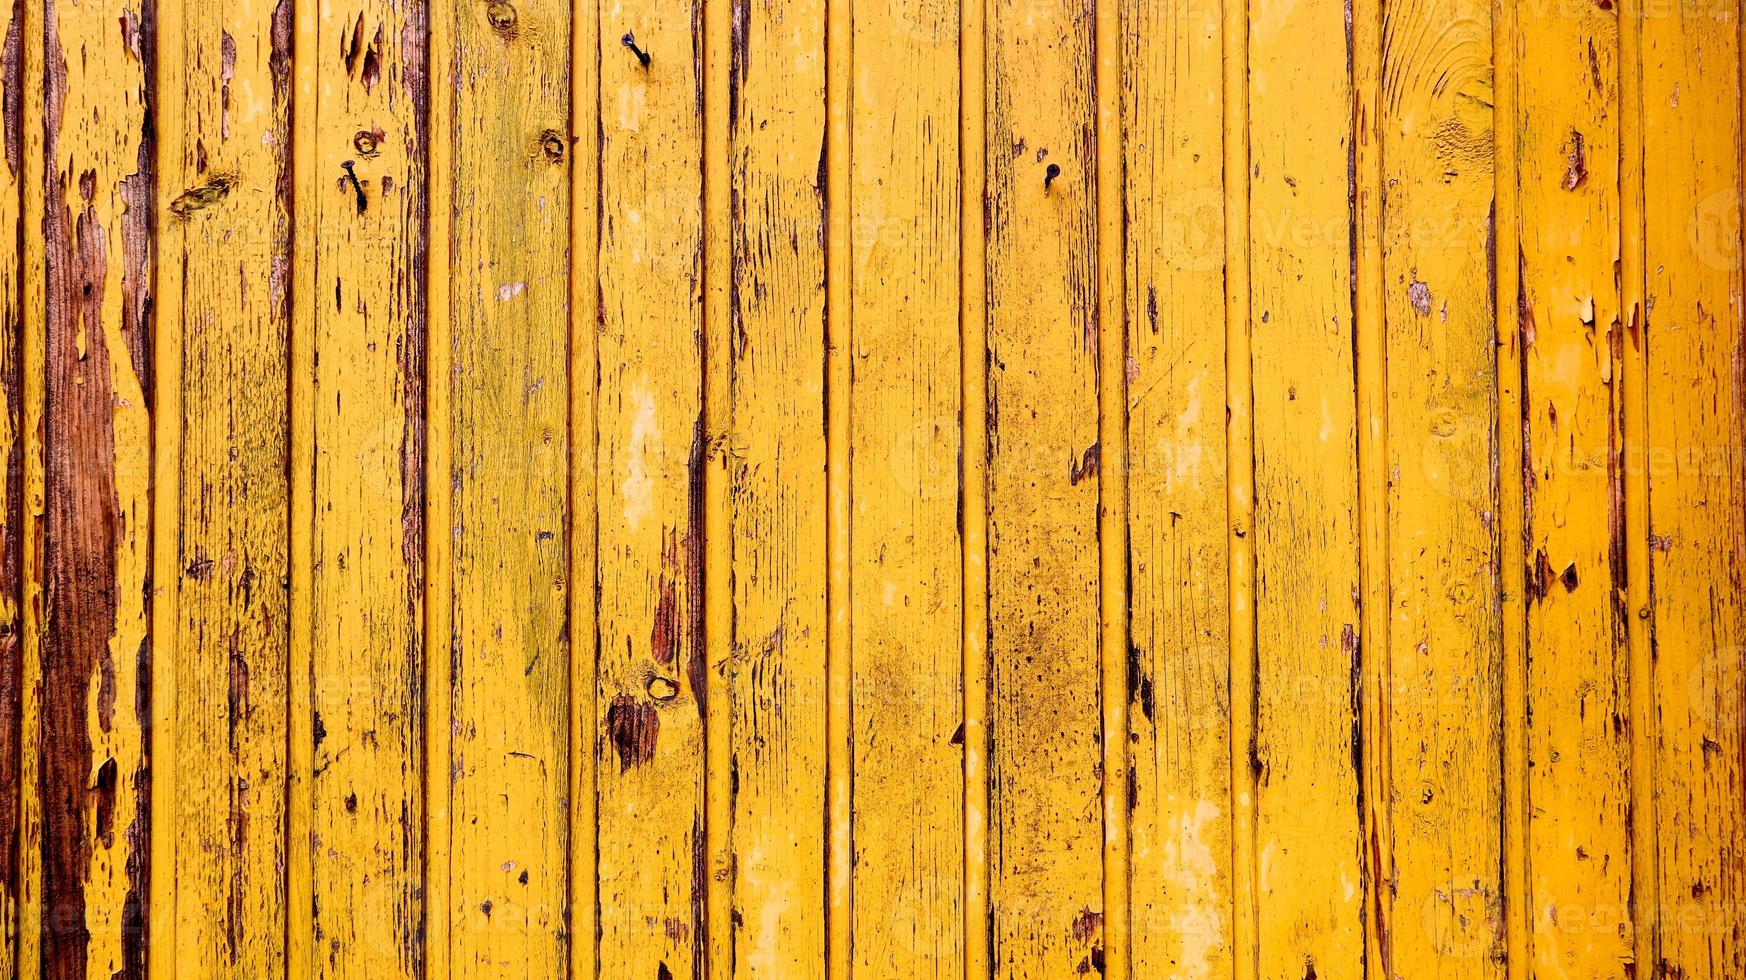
[(1087, 465), (632, 727), (1087, 925)]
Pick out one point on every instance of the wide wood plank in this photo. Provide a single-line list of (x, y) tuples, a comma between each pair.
[(1179, 715), (651, 450), (1045, 859), (98, 199), (1578, 851), (1304, 757), (226, 171), (366, 219), (1689, 335), (509, 430)]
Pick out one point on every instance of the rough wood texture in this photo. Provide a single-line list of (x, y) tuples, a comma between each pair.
[(509, 765), (1579, 857), (905, 622), (11, 486), (1045, 831), (650, 446), (1179, 711), (95, 794), (366, 828), (229, 180), (777, 488), (1306, 752), (838, 562), (1439, 665), (1690, 334)]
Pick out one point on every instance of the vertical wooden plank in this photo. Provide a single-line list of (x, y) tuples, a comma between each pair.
[(1440, 668), (1179, 721), (1689, 339), (907, 600), (12, 294), (1045, 851), (367, 432), (228, 238), (776, 356), (510, 436), (96, 652), (1579, 856), (1305, 753), (33, 168), (651, 448)]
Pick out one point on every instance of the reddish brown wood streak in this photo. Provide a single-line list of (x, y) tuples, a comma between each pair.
[(84, 526)]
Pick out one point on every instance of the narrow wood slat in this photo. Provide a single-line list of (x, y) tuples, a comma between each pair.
[(12, 448), (1689, 340), (225, 253), (1440, 669), (509, 428)]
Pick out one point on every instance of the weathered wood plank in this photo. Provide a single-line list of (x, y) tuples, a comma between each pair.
[(1578, 852), (1046, 835), (98, 194), (510, 436), (1689, 336), (651, 451), (776, 474), (1439, 667), (1179, 715), (905, 621), (367, 432), (1305, 754), (228, 239)]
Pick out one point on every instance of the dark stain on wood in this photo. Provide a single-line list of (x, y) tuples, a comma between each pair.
[(632, 727)]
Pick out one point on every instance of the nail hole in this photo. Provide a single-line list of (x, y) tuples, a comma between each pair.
[(1050, 174)]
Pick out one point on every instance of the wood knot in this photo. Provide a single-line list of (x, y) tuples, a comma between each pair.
[(502, 17), (552, 145)]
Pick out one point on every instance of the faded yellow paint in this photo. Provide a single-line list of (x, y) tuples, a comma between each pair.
[(1308, 860), (222, 176), (509, 392), (1437, 782), (1688, 344), (1179, 712), (777, 493), (1042, 334), (1578, 848), (650, 441), (758, 502), (907, 603), (364, 209)]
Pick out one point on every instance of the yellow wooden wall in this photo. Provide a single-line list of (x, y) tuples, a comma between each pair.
[(844, 488)]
